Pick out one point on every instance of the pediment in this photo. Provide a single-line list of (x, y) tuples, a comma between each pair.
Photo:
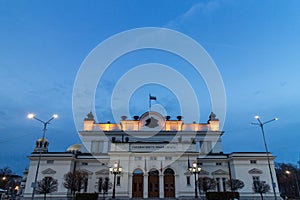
[(102, 172), (219, 172), (255, 171), (87, 171), (49, 171), (203, 172)]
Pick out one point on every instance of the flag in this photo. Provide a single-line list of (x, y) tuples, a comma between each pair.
[(152, 97), (189, 164)]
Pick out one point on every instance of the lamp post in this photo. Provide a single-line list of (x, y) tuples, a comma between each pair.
[(261, 125), (195, 169), (115, 169), (45, 123), (297, 184)]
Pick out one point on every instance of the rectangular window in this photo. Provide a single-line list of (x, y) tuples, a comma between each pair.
[(153, 158), (224, 184), (188, 180), (252, 161), (218, 163), (255, 181), (218, 184), (168, 158), (84, 163), (200, 163), (100, 185), (118, 180), (97, 146), (137, 158), (50, 161), (255, 178)]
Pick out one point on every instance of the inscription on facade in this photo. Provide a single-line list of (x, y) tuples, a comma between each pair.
[(151, 147)]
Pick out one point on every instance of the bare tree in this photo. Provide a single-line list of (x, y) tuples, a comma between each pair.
[(235, 184), (288, 182), (205, 184), (46, 185), (74, 181), (261, 187), (105, 186)]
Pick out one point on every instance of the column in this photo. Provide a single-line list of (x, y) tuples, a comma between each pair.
[(145, 185), (130, 185), (161, 186), (177, 184)]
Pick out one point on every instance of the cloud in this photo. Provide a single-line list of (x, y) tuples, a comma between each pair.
[(201, 8)]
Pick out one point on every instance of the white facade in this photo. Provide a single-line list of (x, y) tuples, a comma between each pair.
[(154, 153)]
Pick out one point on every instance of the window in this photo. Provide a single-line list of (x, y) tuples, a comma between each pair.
[(50, 161), (97, 146), (84, 163), (252, 161), (200, 163), (137, 158), (153, 158), (255, 181), (255, 178), (118, 180), (218, 163), (218, 184), (168, 158), (100, 184), (188, 180), (85, 184), (224, 184)]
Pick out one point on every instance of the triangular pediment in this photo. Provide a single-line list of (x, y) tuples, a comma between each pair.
[(87, 171), (255, 171), (203, 172), (219, 172), (102, 172), (49, 171)]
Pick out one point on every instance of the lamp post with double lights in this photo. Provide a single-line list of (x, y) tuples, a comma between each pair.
[(261, 125), (115, 169), (195, 169), (297, 184), (45, 123)]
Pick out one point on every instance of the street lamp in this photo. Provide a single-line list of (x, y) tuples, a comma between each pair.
[(45, 123), (297, 184), (195, 169), (116, 169), (261, 125)]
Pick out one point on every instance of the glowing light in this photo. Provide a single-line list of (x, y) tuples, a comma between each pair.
[(276, 119), (256, 117), (30, 116), (55, 116)]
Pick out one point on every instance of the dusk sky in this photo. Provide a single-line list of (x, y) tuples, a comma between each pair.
[(255, 45)]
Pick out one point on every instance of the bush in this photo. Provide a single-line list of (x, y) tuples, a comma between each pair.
[(222, 195), (85, 196)]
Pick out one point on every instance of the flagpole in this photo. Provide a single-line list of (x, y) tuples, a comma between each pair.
[(149, 103)]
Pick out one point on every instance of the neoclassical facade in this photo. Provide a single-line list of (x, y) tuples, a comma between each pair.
[(154, 152)]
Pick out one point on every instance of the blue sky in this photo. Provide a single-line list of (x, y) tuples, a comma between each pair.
[(255, 45)]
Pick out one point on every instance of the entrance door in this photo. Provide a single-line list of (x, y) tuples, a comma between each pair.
[(137, 183), (153, 183), (169, 183)]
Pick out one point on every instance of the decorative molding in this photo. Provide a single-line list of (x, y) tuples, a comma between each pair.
[(255, 171), (102, 172), (219, 172), (203, 172), (49, 171), (87, 171)]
